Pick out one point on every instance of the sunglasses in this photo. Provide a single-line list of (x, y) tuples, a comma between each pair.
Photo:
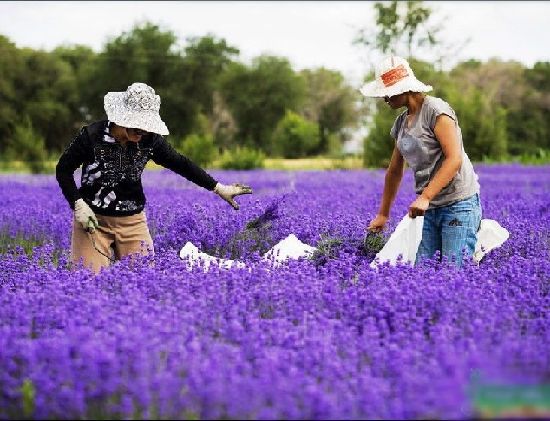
[(137, 132)]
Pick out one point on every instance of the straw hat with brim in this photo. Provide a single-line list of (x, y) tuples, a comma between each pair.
[(394, 76), (138, 107)]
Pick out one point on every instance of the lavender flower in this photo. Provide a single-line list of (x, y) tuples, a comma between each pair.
[(338, 340)]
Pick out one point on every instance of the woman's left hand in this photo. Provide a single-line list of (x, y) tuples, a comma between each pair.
[(418, 207)]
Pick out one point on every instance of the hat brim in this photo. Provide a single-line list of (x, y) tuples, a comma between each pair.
[(118, 113), (376, 89)]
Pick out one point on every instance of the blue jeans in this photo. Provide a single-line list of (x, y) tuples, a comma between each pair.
[(451, 229)]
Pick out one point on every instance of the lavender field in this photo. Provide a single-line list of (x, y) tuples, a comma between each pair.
[(323, 338)]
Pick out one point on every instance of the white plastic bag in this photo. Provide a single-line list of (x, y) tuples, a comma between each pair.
[(490, 235), (289, 248), (403, 241), (191, 254), (408, 234)]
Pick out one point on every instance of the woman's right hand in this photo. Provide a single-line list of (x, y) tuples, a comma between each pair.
[(85, 216), (378, 223)]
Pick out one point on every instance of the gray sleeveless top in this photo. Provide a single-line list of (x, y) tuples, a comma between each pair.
[(422, 152)]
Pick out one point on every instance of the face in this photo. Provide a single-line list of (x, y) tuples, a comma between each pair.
[(135, 135), (396, 101)]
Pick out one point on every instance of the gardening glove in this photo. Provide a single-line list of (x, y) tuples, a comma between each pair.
[(85, 215), (227, 193)]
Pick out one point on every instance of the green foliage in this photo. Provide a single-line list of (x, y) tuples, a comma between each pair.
[(83, 62), (258, 97), (373, 242), (145, 54), (242, 158), (378, 144), (199, 145), (11, 101), (502, 107), (330, 102), (334, 147), (497, 108), (541, 157), (256, 236), (10, 242), (28, 396), (41, 86), (28, 146), (400, 26), (295, 137), (330, 246), (483, 126), (205, 60), (327, 248), (198, 148), (529, 125)]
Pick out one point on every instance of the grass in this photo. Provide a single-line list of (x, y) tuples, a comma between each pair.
[(8, 167), (7, 242), (302, 164), (314, 163), (25, 244), (351, 162)]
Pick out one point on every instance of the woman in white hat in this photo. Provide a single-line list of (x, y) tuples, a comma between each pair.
[(428, 138), (108, 206)]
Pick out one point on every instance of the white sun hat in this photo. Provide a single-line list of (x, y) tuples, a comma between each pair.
[(394, 76), (138, 107)]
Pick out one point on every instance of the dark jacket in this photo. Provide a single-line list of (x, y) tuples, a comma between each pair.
[(111, 173)]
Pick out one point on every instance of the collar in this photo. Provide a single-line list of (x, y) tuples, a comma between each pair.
[(107, 136)]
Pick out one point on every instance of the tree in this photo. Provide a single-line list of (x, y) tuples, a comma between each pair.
[(83, 61), (27, 145), (330, 102), (206, 58), (258, 97), (150, 55), (400, 26), (295, 137), (378, 144), (11, 103), (184, 77), (531, 121), (222, 123), (38, 93), (483, 125), (48, 88), (505, 86), (199, 148)]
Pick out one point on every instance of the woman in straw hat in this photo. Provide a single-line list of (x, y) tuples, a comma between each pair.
[(428, 138), (108, 207)]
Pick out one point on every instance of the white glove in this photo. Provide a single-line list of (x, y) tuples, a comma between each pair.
[(85, 215), (227, 193)]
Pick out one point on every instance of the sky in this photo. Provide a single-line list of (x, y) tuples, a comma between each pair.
[(310, 34)]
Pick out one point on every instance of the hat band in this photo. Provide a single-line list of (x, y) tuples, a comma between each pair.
[(391, 77)]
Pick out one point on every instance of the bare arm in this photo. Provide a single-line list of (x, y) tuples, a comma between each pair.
[(392, 180), (445, 132)]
